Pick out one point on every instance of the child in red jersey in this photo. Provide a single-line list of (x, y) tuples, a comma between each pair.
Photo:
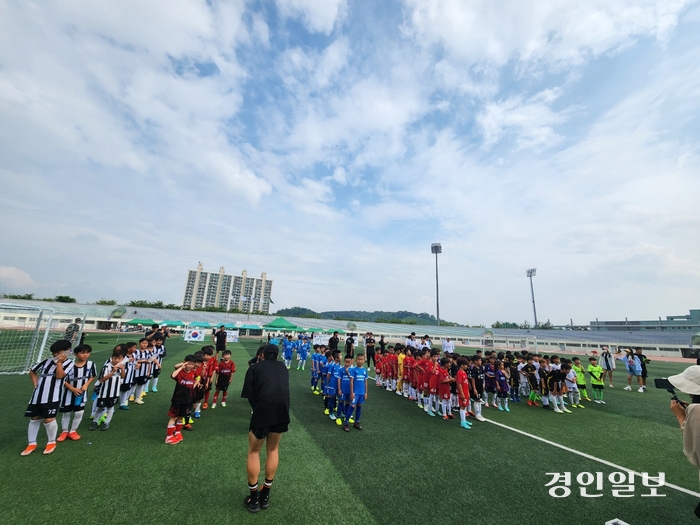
[(421, 368), (407, 379), (224, 375), (444, 393), (198, 394), (378, 358), (208, 373), (433, 382), (390, 364), (462, 381), (181, 402)]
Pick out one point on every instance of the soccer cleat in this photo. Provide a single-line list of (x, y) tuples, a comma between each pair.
[(529, 403), (154, 389), (123, 407), (213, 406), (197, 414), (399, 393), (471, 414), (223, 404), (431, 413), (596, 401), (326, 411), (92, 416), (131, 398), (312, 389), (445, 418), (205, 406), (357, 426), (508, 409), (557, 411), (627, 388), (602, 402), (332, 417), (102, 419), (581, 406), (587, 399), (139, 401), (265, 497), (339, 421), (63, 436), (94, 425), (50, 447), (450, 416), (480, 418), (30, 448), (566, 410), (316, 392), (145, 391), (105, 427), (346, 428), (535, 404), (500, 408), (611, 385), (464, 424), (351, 420), (641, 389), (420, 406), (486, 405), (73, 435), (252, 504), (171, 440), (188, 426)]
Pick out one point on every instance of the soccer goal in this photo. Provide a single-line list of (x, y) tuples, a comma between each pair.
[(27, 333)]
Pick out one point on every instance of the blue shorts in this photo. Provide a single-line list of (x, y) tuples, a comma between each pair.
[(345, 398), (287, 356), (314, 374), (302, 357), (330, 392), (358, 399)]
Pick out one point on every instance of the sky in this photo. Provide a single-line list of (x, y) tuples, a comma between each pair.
[(330, 142)]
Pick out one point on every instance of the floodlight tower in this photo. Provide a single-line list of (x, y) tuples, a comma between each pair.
[(436, 248), (531, 273)]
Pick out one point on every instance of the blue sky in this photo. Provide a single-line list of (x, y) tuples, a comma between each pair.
[(329, 142)]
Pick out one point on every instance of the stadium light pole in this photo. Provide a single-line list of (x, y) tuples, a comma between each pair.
[(436, 248), (531, 272)]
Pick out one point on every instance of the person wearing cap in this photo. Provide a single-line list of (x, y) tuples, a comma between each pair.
[(688, 416), (266, 386)]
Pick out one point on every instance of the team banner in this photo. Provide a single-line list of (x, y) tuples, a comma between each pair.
[(194, 334), (320, 339), (232, 336)]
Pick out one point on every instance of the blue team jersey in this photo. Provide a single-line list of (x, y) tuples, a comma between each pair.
[(304, 349), (359, 374), (288, 348), (345, 380)]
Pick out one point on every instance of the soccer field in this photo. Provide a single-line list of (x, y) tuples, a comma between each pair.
[(404, 467)]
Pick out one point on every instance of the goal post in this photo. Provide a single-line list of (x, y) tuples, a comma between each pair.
[(27, 333)]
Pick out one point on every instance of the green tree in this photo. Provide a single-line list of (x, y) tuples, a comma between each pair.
[(106, 302), (26, 296), (64, 299)]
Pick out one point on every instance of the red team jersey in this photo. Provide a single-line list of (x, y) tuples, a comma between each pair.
[(226, 369), (378, 364), (408, 363), (443, 388), (423, 367), (463, 380), (208, 368), (433, 378)]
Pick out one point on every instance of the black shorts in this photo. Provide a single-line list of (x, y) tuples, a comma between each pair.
[(179, 410), (142, 380), (220, 348), (261, 433), (42, 410), (126, 387), (598, 387), (222, 386), (72, 408), (644, 373), (156, 372), (106, 402)]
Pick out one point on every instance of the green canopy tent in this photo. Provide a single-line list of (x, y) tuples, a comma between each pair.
[(199, 324), (169, 322), (251, 327), (314, 330), (135, 322), (281, 324), (331, 330), (228, 326)]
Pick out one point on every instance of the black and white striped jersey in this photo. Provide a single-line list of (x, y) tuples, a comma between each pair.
[(159, 352), (49, 388), (110, 387), (77, 377), (130, 368), (144, 369)]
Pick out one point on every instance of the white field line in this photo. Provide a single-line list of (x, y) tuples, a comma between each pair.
[(593, 458)]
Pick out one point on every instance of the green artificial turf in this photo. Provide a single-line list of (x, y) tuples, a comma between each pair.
[(404, 467)]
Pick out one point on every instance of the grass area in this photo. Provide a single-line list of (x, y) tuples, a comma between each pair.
[(404, 467)]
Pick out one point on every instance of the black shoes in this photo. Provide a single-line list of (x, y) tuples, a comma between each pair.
[(264, 499), (252, 503)]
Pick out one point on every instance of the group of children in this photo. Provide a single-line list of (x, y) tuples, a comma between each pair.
[(61, 387), (343, 385), (301, 346)]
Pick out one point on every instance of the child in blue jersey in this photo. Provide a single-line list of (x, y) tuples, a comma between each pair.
[(344, 378), (288, 345), (358, 387), (303, 354), (322, 362), (315, 374), (332, 384), (328, 365)]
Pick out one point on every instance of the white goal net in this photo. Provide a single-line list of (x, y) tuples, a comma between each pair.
[(27, 333)]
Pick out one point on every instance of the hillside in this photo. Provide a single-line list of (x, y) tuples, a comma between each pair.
[(378, 316)]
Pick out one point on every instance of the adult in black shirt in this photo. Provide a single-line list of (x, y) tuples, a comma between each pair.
[(266, 386), (219, 338), (350, 347), (333, 342), (382, 344), (643, 360), (369, 349)]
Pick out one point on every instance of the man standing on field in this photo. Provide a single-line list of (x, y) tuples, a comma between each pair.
[(219, 338)]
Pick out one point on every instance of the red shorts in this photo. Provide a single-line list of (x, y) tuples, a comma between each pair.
[(464, 402), (433, 391), (444, 393)]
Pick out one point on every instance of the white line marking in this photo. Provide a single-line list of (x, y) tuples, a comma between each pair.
[(588, 456)]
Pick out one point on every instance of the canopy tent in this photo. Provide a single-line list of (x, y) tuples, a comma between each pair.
[(331, 330), (314, 330), (141, 322), (281, 324), (251, 327), (199, 324), (229, 326), (169, 322)]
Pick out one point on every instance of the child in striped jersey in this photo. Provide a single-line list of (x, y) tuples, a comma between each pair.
[(47, 377), (129, 383), (75, 387), (158, 354), (111, 377)]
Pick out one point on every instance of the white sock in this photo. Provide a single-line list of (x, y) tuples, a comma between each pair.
[(124, 399), (505, 402), (33, 432), (139, 391), (77, 418), (577, 398), (478, 409), (51, 430), (545, 400), (560, 397), (571, 398), (65, 422), (94, 408), (444, 408), (110, 413), (463, 414), (132, 391), (154, 382), (99, 413)]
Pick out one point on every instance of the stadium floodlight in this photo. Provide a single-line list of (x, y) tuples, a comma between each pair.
[(531, 272), (436, 248)]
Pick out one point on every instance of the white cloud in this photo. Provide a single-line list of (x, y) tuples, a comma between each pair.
[(319, 16), (15, 279)]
